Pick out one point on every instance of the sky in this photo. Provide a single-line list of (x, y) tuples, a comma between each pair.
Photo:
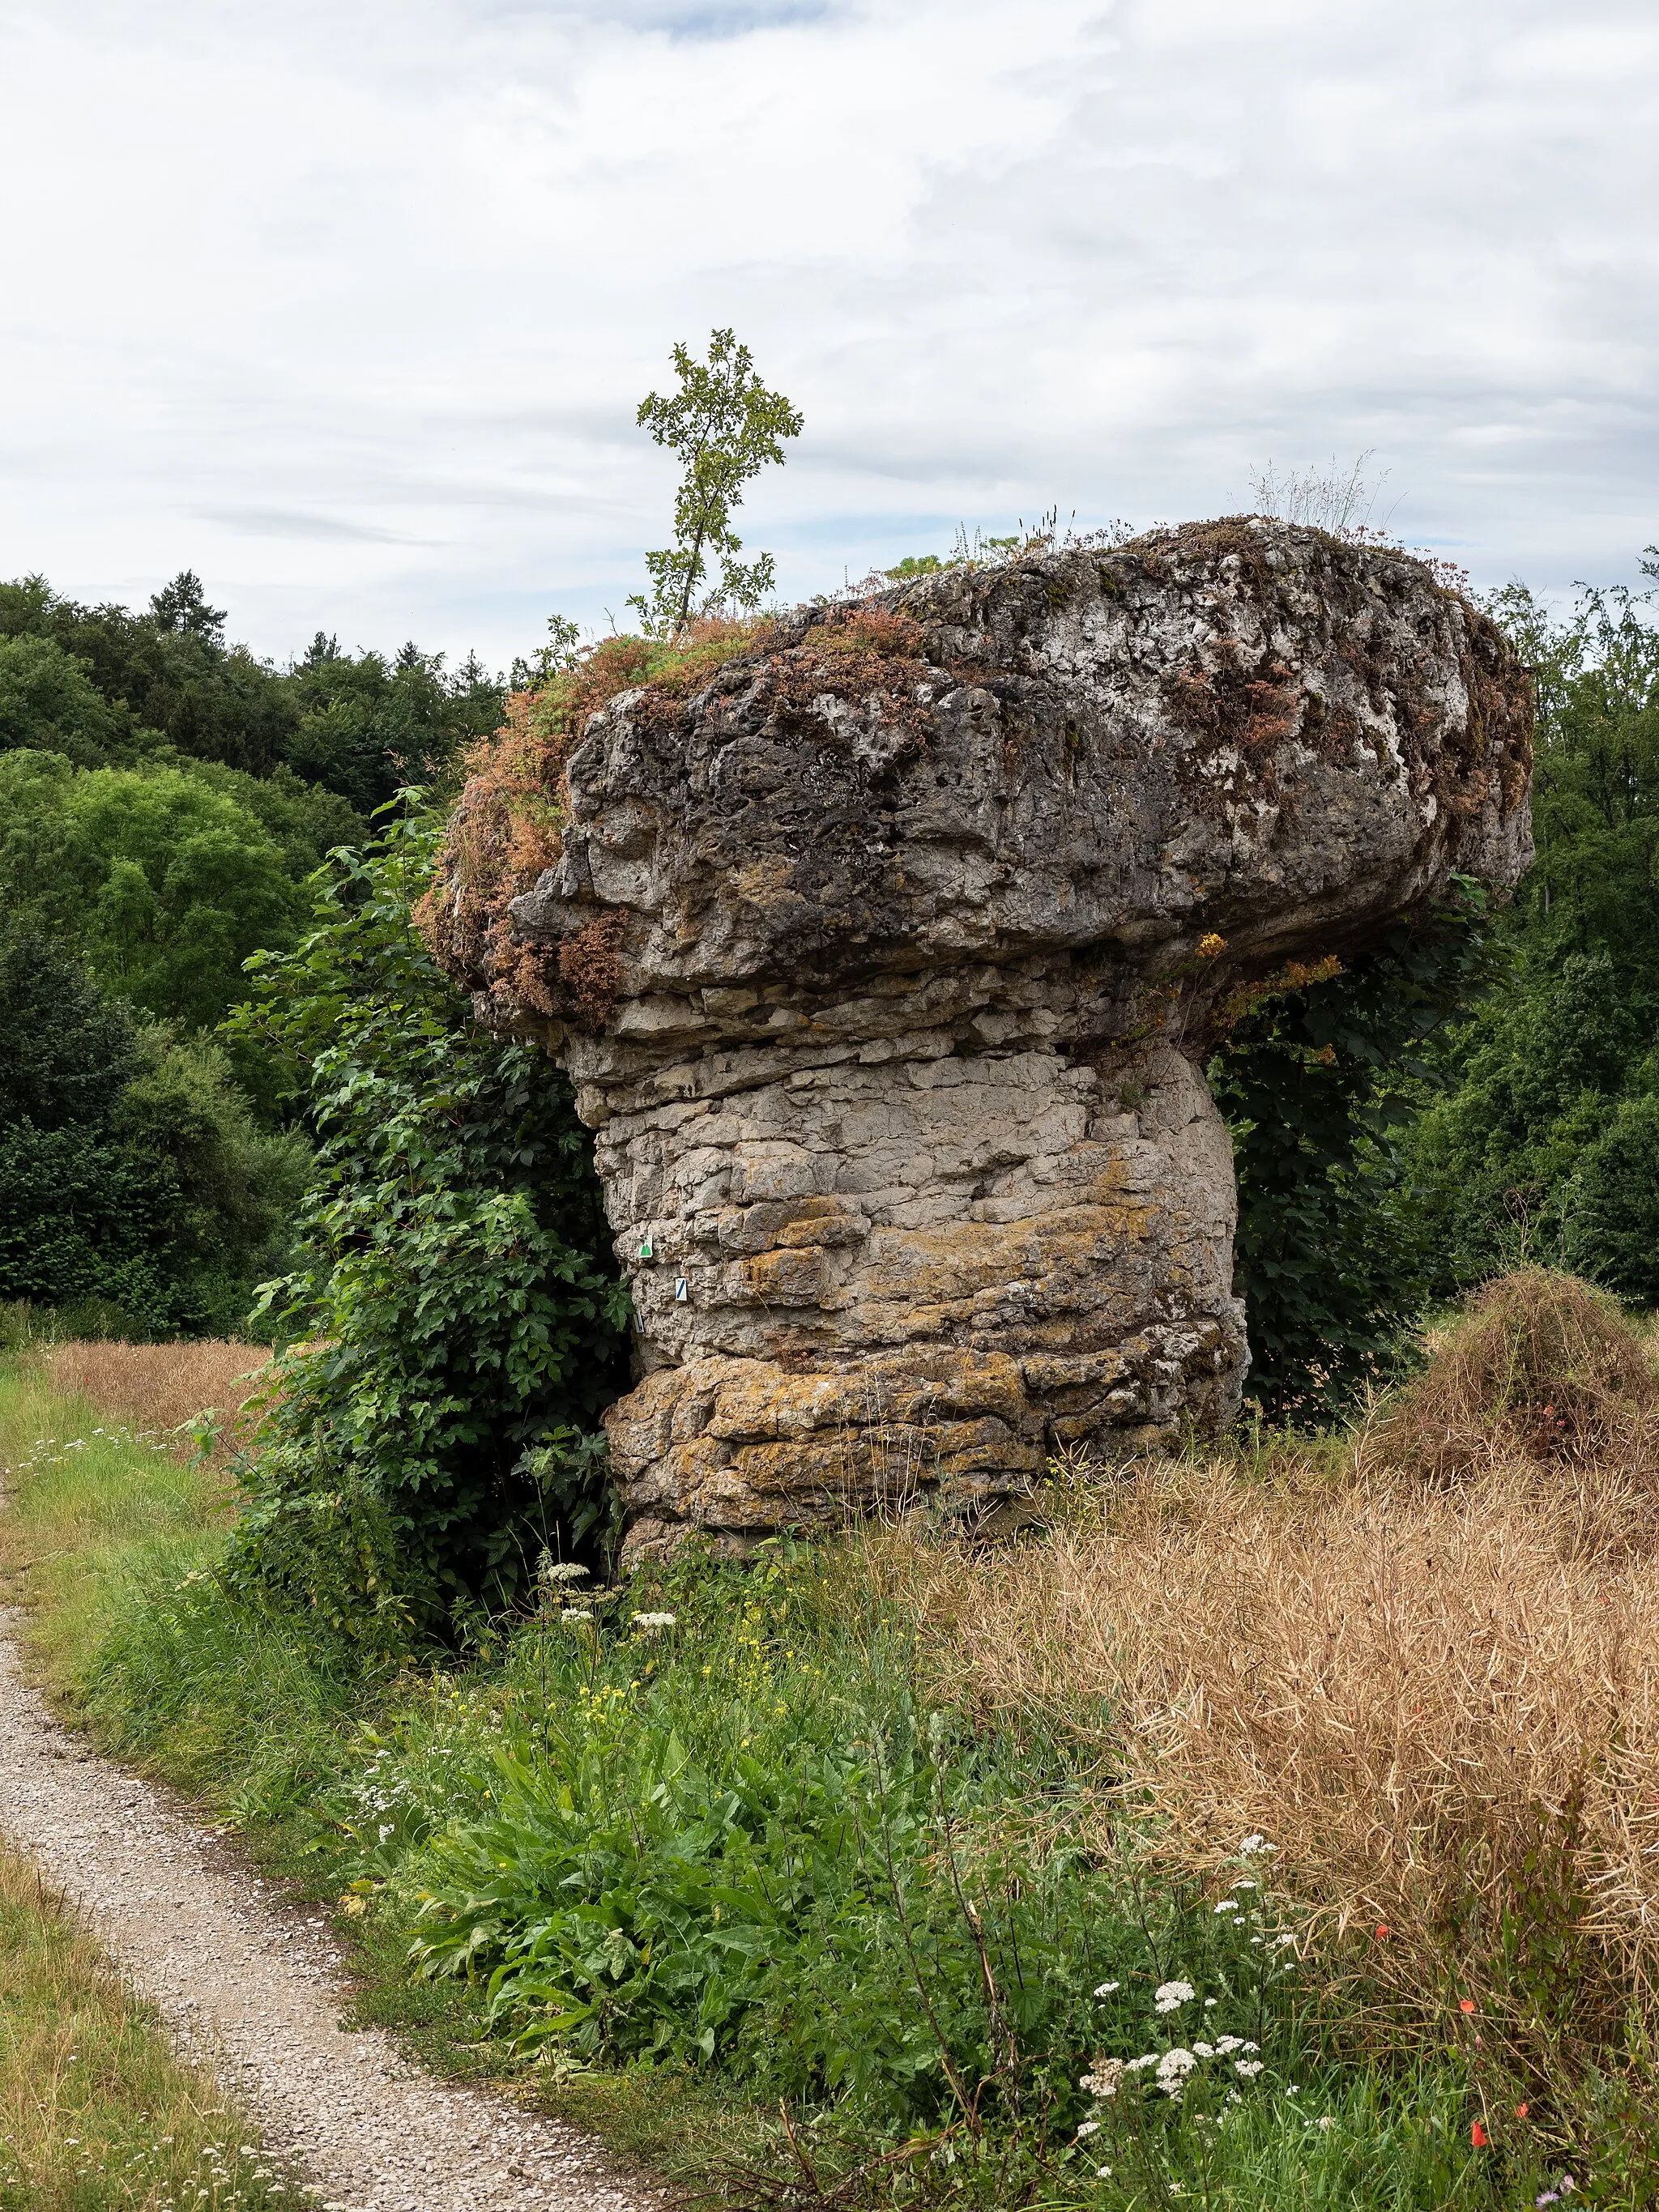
[(349, 306)]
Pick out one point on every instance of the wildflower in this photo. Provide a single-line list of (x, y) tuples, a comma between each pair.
[(1169, 1996), (566, 1570), (1104, 2079), (1106, 1988), (1227, 1904), (1465, 2004), (574, 1612), (1248, 2068), (1382, 1930), (1210, 944), (1172, 2070), (1251, 1844), (649, 1623), (1104, 2173), (1327, 2122), (1204, 2050), (1229, 2043), (1243, 1882), (1087, 2128), (1520, 2112), (1548, 2196), (1479, 2136), (1139, 2065)]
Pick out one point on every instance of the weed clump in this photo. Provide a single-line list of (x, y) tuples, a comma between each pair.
[(1542, 1367)]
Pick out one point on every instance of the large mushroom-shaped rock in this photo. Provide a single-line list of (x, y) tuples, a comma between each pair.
[(885, 959)]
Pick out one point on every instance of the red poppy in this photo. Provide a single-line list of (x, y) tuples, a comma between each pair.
[(1465, 2004), (1479, 2137)]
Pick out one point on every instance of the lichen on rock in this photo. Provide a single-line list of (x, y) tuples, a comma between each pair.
[(885, 951)]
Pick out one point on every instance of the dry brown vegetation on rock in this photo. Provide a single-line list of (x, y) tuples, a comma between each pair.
[(504, 828), (1425, 1664)]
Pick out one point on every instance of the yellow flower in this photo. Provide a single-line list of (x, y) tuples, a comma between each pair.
[(1210, 944)]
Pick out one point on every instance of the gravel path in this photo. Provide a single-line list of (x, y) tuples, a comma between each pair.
[(254, 1989)]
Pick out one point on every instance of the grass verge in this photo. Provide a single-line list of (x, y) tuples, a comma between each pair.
[(1046, 1875), (97, 2111)]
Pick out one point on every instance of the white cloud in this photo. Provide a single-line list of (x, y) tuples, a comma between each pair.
[(349, 306)]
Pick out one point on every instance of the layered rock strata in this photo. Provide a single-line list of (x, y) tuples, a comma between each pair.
[(886, 963)]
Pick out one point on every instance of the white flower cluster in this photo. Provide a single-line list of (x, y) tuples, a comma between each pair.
[(549, 1570), (1171, 2068), (1101, 2082), (650, 1624)]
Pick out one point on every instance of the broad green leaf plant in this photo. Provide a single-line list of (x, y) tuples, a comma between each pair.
[(456, 1324)]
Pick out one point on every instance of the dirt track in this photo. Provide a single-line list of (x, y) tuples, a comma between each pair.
[(254, 1992)]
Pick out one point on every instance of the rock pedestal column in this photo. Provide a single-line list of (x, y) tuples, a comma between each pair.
[(916, 928)]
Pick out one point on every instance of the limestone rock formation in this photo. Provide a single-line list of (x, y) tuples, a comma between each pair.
[(886, 963)]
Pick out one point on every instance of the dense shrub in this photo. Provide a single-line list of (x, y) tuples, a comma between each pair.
[(132, 1176), (460, 1324), (720, 1831), (1611, 1231), (1320, 1079)]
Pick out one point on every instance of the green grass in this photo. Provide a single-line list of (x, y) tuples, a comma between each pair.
[(95, 2109), (662, 1880)]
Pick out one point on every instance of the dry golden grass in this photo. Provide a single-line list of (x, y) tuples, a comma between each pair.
[(156, 1388), (1426, 1667)]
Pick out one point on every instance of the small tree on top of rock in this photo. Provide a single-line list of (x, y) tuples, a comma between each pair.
[(726, 426)]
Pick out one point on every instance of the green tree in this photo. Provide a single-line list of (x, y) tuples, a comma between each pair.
[(461, 1320), (226, 1193), (1537, 1149), (130, 1170), (168, 669), (1610, 1208), (726, 427), (48, 700), (103, 686), (162, 885), (1541, 1070), (1596, 778), (367, 727)]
